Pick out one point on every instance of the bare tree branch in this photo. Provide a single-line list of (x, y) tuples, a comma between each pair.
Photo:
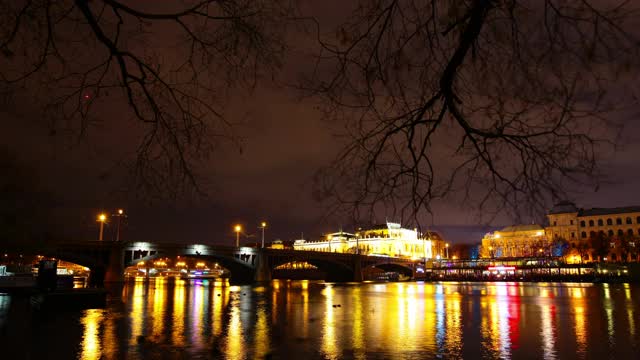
[(500, 105)]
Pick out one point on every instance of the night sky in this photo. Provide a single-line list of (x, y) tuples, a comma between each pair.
[(284, 142)]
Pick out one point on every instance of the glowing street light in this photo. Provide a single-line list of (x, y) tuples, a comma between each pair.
[(237, 229), (119, 214), (446, 246), (263, 225), (102, 218)]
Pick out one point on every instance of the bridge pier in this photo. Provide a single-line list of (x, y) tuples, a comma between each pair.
[(357, 269), (263, 271), (115, 267)]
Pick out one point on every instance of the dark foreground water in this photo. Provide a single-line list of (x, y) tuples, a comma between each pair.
[(307, 320)]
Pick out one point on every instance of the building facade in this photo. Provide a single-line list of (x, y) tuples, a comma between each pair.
[(597, 234), (389, 239), (516, 241)]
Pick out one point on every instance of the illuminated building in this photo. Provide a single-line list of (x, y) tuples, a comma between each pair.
[(277, 244), (619, 226), (516, 241), (389, 239)]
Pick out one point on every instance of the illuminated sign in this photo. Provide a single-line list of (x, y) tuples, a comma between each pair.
[(501, 268)]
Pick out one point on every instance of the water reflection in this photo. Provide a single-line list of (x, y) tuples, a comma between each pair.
[(289, 319), (91, 344), (329, 342)]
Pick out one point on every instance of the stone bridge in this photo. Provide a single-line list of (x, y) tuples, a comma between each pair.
[(107, 260)]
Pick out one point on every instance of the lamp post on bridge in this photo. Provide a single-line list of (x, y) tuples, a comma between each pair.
[(119, 214), (237, 229), (102, 218), (263, 225)]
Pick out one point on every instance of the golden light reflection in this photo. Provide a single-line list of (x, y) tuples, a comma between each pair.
[(610, 328), (91, 346), (159, 294), (358, 326), (235, 340), (262, 335), (305, 309), (274, 300), (548, 331), (137, 311), (177, 335), (220, 299), (605, 288), (580, 328), (110, 338), (329, 342), (627, 291), (197, 314), (500, 307), (454, 327)]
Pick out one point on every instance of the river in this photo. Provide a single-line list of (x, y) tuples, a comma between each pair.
[(314, 320)]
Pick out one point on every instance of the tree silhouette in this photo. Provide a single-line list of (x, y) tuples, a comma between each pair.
[(500, 105), (172, 64), (601, 244)]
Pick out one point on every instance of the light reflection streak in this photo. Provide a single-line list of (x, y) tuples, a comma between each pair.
[(329, 342), (440, 330), (219, 300), (305, 309), (453, 327), (178, 313), (609, 312), (197, 313), (630, 306), (158, 309), (137, 311), (503, 320), (235, 340), (91, 345), (262, 335), (548, 331), (358, 325), (580, 329)]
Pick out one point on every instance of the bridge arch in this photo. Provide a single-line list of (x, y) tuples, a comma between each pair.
[(336, 271), (394, 267), (241, 272)]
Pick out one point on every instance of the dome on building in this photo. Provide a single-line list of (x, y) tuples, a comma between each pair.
[(564, 206)]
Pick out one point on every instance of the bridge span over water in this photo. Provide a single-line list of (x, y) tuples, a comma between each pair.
[(107, 259)]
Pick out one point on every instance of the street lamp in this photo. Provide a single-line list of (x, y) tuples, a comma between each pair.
[(102, 218), (237, 229), (119, 214), (446, 246), (263, 225)]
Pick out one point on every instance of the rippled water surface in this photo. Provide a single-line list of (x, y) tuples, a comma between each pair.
[(308, 320)]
